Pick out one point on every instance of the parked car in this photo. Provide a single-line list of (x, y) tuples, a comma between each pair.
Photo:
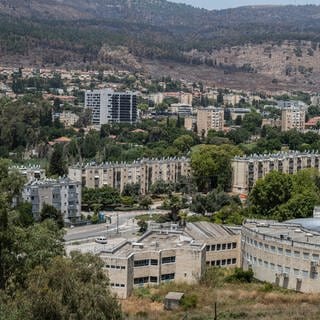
[(102, 240)]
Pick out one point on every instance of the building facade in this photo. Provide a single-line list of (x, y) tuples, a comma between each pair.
[(285, 254), (108, 106), (63, 194), (31, 173), (247, 170), (145, 172), (166, 253), (210, 118), (293, 118)]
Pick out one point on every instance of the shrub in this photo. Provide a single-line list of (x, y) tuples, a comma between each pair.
[(240, 275), (189, 301)]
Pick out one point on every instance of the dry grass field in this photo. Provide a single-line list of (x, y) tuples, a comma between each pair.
[(235, 300)]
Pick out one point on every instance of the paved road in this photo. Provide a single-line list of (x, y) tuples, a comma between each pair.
[(126, 223)]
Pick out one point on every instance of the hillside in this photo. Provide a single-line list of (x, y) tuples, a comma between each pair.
[(82, 33)]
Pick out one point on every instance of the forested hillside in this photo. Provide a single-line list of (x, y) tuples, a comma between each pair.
[(86, 33)]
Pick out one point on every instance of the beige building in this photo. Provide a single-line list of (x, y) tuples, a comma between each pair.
[(186, 98), (285, 254), (189, 122), (293, 118), (166, 253), (210, 118), (31, 173), (145, 172), (68, 118), (247, 170)]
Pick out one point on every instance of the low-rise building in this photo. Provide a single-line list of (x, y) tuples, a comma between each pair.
[(166, 253), (63, 194), (144, 172), (247, 170), (285, 254), (31, 173)]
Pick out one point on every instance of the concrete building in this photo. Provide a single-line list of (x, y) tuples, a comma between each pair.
[(285, 254), (63, 194), (186, 98), (210, 118), (247, 170), (145, 172), (166, 253), (293, 118), (68, 118), (31, 173), (189, 123), (108, 106), (181, 109), (238, 112)]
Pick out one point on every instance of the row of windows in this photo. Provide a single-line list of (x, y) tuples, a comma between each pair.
[(117, 285), (108, 266), (221, 246), (153, 262), (280, 268), (281, 251), (222, 262), (164, 277)]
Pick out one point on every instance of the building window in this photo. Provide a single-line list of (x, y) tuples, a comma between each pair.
[(305, 273), (234, 245), (296, 254), (213, 247), (288, 252), (306, 255), (280, 250), (168, 260), (154, 279), (167, 277), (141, 263), (141, 280), (224, 246), (208, 248), (234, 261), (154, 262), (218, 247)]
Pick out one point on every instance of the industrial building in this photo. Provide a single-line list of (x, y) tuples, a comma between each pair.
[(166, 253), (286, 254)]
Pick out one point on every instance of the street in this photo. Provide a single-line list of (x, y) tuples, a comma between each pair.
[(125, 223)]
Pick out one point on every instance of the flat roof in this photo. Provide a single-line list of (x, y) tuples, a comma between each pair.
[(292, 233)]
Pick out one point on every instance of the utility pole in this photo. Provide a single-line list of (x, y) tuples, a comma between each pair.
[(215, 311), (117, 223)]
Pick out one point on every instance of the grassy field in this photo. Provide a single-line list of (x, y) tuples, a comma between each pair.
[(235, 300)]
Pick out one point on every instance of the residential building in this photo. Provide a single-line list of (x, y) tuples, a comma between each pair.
[(145, 172), (189, 122), (68, 118), (247, 170), (181, 109), (186, 98), (285, 254), (210, 118), (166, 253), (275, 123), (31, 173), (238, 112), (293, 118), (63, 194), (108, 106)]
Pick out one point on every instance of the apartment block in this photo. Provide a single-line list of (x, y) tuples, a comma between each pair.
[(108, 106), (210, 118), (293, 118), (145, 172), (247, 170), (166, 253), (31, 173), (63, 194)]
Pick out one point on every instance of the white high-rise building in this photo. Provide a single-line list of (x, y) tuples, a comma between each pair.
[(108, 106)]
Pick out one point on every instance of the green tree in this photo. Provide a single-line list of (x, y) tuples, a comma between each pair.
[(269, 193), (68, 288), (57, 165), (211, 166), (50, 212)]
